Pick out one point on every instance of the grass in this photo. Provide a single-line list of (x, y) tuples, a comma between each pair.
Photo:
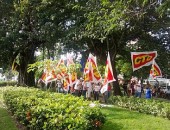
[(122, 119), (6, 121)]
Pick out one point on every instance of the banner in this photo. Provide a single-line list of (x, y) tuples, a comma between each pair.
[(71, 70), (155, 71), (48, 76), (96, 77), (61, 69), (87, 70), (140, 59), (66, 83), (108, 77), (72, 78), (91, 72)]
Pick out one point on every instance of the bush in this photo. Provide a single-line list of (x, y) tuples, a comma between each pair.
[(7, 83), (38, 109), (148, 106)]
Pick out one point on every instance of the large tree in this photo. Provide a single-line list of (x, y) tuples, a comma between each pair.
[(108, 26), (31, 25), (95, 26)]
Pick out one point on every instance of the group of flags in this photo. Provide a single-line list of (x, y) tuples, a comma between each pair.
[(92, 74), (141, 59), (68, 74)]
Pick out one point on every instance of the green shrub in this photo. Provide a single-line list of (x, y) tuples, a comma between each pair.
[(148, 106), (40, 110), (7, 83)]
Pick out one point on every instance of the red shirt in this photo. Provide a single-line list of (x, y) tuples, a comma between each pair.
[(109, 88)]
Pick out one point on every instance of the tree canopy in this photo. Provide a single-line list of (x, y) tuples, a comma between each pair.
[(95, 26)]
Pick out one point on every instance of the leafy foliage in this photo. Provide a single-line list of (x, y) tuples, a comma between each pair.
[(43, 110), (151, 106), (39, 66)]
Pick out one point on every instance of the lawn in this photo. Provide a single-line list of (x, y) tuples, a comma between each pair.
[(122, 119), (6, 122)]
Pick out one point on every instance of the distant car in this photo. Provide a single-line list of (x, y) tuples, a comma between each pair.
[(161, 81)]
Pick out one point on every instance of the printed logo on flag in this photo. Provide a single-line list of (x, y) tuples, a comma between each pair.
[(96, 73), (140, 59), (155, 71), (91, 72)]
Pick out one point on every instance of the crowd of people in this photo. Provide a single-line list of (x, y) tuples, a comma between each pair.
[(89, 90), (135, 87)]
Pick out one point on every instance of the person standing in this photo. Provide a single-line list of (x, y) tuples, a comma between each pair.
[(125, 83), (59, 86), (148, 92), (96, 89), (107, 93), (109, 90), (89, 90), (84, 90), (129, 89), (138, 90), (77, 87), (133, 88)]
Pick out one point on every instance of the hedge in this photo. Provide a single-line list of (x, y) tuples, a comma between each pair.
[(44, 110), (7, 83), (148, 106)]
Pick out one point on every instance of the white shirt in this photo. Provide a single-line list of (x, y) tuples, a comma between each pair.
[(59, 84), (138, 88), (97, 88), (78, 85), (89, 86)]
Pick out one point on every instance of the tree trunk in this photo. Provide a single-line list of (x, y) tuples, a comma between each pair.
[(116, 87), (26, 57)]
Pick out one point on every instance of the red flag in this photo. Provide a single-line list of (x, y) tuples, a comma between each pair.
[(140, 59), (48, 76), (108, 77), (66, 83), (71, 70), (96, 77), (155, 71), (61, 68), (72, 78), (87, 71), (91, 72)]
